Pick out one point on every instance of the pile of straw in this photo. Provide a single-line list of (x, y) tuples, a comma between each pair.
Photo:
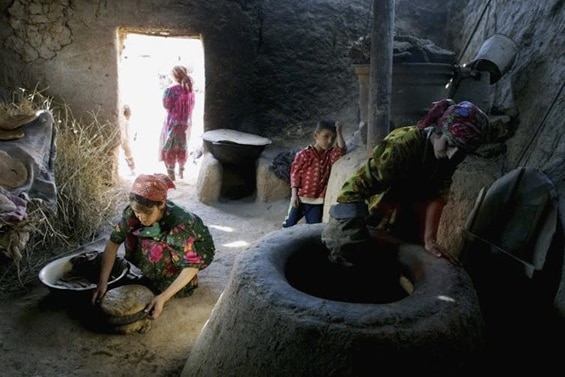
[(88, 191)]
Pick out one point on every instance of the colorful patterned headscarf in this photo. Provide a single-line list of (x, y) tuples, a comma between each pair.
[(152, 186), (464, 123)]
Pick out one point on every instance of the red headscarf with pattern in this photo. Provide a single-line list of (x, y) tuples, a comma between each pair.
[(464, 123), (152, 186)]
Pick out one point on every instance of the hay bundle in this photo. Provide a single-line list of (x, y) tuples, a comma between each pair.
[(88, 193)]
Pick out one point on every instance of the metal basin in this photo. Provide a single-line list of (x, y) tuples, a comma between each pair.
[(234, 147), (53, 274)]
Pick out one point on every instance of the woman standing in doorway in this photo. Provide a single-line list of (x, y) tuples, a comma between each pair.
[(178, 101)]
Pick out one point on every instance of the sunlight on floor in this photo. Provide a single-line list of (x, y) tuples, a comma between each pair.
[(227, 229), (240, 244)]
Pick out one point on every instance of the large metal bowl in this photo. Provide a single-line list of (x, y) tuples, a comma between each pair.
[(52, 273), (234, 147)]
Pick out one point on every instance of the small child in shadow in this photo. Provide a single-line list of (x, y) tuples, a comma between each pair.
[(125, 138)]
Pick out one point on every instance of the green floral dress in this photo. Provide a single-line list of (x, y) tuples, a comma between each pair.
[(179, 240)]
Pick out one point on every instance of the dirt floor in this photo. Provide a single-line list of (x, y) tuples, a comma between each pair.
[(46, 334)]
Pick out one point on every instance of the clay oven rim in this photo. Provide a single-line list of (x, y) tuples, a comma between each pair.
[(261, 325), (438, 285)]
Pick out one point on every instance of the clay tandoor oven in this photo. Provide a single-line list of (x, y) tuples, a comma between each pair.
[(287, 312)]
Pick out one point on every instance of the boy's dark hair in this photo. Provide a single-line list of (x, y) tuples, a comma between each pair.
[(326, 124)]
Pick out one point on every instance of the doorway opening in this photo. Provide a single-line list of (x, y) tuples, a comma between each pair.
[(145, 64)]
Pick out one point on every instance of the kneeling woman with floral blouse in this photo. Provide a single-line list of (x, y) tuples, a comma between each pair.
[(168, 243)]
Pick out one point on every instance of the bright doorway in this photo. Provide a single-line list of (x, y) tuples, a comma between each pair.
[(145, 64)]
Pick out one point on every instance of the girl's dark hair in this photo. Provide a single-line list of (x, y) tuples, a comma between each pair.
[(326, 124), (144, 203)]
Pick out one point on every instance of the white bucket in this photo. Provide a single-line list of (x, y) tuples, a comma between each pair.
[(496, 56)]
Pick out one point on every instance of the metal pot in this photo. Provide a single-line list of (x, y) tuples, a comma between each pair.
[(55, 274)]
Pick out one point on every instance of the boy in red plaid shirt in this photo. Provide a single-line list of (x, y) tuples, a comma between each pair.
[(310, 172)]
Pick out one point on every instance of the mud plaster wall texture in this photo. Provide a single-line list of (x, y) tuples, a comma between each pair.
[(276, 67), (272, 67), (531, 93)]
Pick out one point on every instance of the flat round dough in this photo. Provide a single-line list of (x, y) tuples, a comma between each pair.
[(13, 173), (126, 300), (11, 122)]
